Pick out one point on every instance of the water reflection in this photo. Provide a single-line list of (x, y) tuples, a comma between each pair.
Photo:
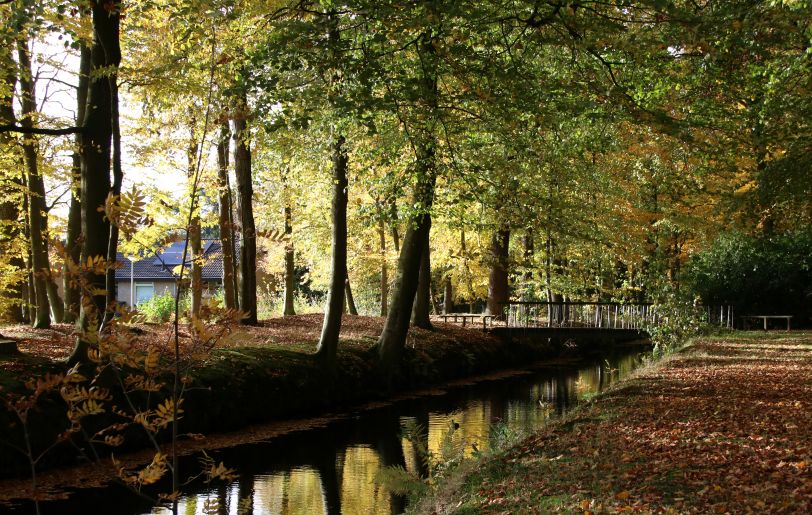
[(335, 470)]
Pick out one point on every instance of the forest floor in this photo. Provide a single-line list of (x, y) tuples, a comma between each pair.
[(724, 426), (298, 332)]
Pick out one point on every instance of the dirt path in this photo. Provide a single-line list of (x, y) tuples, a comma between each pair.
[(723, 427)]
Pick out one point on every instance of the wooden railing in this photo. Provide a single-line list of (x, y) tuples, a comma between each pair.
[(597, 315)]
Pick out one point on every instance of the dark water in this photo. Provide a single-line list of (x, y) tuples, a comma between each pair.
[(335, 469)]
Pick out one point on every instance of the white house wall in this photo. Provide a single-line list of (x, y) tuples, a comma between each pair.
[(160, 288)]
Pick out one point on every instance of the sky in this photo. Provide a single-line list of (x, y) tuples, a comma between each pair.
[(55, 70)]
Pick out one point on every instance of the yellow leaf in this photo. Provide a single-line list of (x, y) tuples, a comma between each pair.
[(151, 360), (622, 496)]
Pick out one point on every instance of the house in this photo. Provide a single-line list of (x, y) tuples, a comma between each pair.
[(153, 275)]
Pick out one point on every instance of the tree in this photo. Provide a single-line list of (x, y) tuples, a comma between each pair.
[(10, 189), (339, 282), (74, 230), (47, 298), (422, 299), (424, 142), (290, 269), (225, 219), (245, 208), (105, 56), (498, 287)]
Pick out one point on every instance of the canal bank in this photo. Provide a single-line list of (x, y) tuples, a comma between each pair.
[(333, 463), (242, 385), (722, 426)]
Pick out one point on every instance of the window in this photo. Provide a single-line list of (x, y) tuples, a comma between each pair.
[(143, 292)]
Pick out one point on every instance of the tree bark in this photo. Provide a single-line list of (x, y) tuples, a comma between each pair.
[(111, 298), (393, 338), (393, 209), (72, 244), (44, 287), (30, 294), (352, 309), (498, 288), (195, 243), (421, 308), (529, 251), (448, 296), (548, 265), (95, 183), (225, 219), (384, 266), (245, 189), (10, 189), (290, 269), (328, 343)]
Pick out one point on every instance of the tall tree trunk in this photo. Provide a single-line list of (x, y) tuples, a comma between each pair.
[(10, 192), (31, 295), (422, 301), (352, 309), (529, 251), (95, 184), (245, 189), (498, 288), (38, 211), (72, 245), (290, 269), (548, 265), (118, 179), (225, 220), (384, 266), (448, 296), (328, 343), (393, 337), (195, 243), (393, 210)]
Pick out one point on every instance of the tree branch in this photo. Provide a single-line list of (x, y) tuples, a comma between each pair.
[(39, 130)]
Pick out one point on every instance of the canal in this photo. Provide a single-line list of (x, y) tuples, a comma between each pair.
[(336, 468)]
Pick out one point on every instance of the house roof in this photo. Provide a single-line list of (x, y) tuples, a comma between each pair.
[(162, 266)]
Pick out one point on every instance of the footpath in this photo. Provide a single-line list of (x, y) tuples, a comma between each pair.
[(723, 426)]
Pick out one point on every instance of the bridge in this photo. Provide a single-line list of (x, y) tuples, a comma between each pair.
[(589, 320), (598, 315)]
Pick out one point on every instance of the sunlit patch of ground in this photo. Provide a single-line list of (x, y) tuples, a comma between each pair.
[(724, 427)]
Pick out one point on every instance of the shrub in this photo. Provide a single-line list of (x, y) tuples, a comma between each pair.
[(160, 308), (757, 275)]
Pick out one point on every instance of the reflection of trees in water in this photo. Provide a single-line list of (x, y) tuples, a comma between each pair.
[(360, 493), (390, 451), (335, 476), (329, 470), (223, 499), (245, 493), (562, 393), (460, 431)]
